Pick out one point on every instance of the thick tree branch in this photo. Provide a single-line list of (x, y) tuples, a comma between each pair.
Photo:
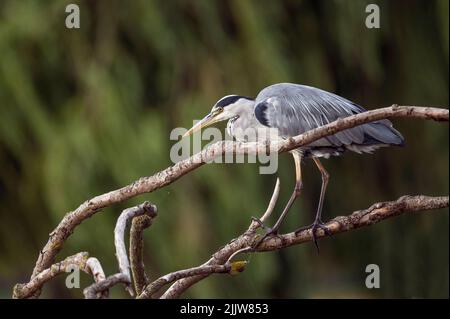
[(119, 234), (374, 214), (138, 225), (171, 174), (78, 261)]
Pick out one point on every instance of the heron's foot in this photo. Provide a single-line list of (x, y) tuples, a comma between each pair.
[(318, 224), (269, 231)]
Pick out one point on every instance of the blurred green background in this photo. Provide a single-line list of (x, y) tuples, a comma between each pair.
[(85, 111)]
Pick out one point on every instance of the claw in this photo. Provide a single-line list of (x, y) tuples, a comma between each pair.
[(314, 226), (269, 232)]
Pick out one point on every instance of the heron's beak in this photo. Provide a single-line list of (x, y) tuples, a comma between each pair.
[(206, 121)]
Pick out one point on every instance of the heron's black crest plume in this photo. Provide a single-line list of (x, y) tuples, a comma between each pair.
[(230, 99)]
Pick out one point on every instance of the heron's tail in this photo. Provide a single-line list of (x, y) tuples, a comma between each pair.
[(382, 132)]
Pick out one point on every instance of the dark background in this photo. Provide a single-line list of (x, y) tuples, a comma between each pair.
[(88, 110)]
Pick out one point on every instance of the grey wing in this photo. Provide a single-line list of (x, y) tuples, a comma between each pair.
[(294, 109)]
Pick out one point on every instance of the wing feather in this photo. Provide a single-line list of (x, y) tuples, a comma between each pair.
[(295, 109)]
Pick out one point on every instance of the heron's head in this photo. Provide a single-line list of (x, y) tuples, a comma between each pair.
[(230, 106)]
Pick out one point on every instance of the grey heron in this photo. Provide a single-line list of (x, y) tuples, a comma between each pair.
[(293, 109)]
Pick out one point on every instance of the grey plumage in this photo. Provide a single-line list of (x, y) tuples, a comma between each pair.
[(294, 109)]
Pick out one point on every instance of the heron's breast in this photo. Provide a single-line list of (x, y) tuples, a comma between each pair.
[(245, 129)]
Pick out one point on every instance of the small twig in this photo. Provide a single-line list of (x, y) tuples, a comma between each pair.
[(237, 252), (119, 237), (255, 224), (273, 201), (93, 290)]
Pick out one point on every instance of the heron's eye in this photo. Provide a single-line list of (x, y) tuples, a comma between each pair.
[(218, 110)]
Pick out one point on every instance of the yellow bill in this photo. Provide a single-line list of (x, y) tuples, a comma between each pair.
[(206, 121)]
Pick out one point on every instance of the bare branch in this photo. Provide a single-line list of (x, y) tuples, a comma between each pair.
[(366, 217), (254, 225), (93, 290), (119, 234), (374, 214), (95, 268), (239, 251), (77, 261), (138, 225), (230, 268), (273, 200)]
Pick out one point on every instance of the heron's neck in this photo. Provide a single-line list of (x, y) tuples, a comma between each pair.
[(243, 120)]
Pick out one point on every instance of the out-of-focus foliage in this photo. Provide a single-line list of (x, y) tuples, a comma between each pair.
[(86, 111)]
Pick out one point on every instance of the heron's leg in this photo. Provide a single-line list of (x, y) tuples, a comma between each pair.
[(318, 220), (297, 190), (325, 179)]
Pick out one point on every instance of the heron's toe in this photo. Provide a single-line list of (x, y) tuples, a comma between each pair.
[(322, 226), (318, 224)]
